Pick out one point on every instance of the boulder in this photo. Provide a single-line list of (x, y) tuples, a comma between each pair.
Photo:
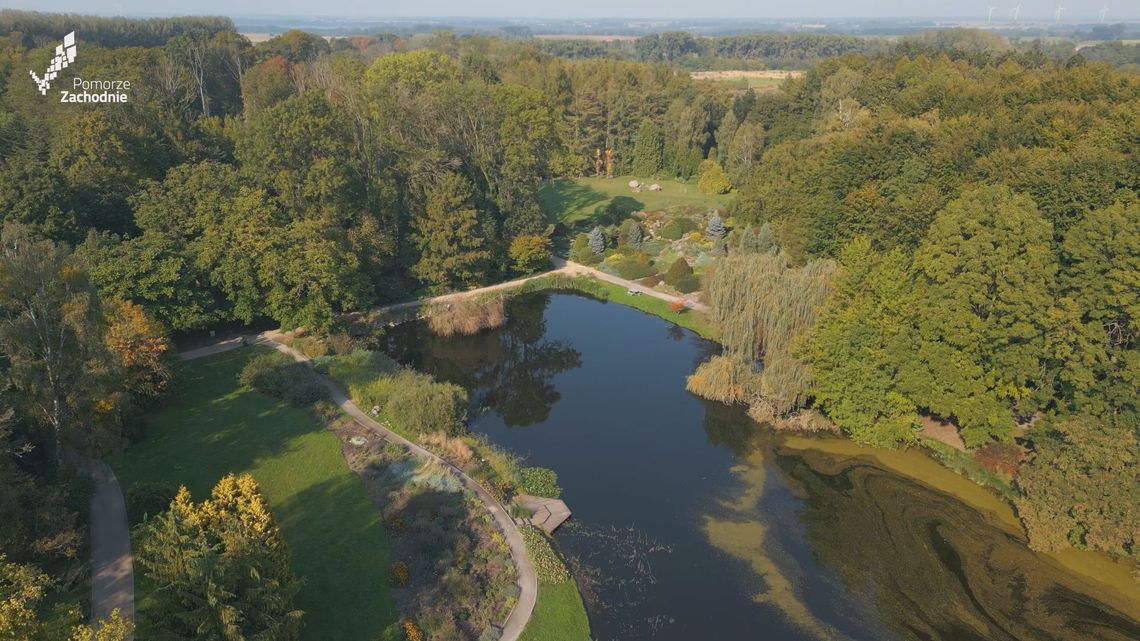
[(655, 187), (633, 184)]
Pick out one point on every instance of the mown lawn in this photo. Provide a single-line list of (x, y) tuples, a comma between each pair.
[(212, 427), (584, 201), (558, 616)]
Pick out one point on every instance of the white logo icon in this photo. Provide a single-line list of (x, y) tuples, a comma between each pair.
[(64, 55)]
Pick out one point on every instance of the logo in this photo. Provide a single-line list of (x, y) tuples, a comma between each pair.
[(82, 91), (64, 56)]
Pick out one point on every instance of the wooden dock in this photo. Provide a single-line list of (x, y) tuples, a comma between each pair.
[(545, 513)]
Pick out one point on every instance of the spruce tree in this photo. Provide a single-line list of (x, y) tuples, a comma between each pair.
[(634, 236), (648, 150), (597, 241), (715, 229)]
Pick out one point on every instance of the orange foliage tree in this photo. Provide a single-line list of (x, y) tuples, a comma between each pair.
[(140, 346)]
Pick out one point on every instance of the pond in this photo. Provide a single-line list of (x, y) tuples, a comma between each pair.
[(691, 522)]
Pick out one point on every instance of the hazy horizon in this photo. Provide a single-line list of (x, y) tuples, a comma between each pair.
[(1038, 10)]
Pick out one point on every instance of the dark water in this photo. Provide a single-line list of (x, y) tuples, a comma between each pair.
[(692, 523)]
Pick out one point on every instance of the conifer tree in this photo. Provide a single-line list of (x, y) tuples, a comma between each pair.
[(597, 241)]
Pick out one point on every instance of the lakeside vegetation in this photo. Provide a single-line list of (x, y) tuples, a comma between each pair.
[(944, 227)]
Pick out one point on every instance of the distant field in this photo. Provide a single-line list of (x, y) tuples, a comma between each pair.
[(587, 201), (767, 80), (576, 36)]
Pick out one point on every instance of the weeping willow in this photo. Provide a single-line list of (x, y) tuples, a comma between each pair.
[(763, 306)]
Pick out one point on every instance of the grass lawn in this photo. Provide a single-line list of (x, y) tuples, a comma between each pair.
[(583, 201), (211, 426), (558, 616)]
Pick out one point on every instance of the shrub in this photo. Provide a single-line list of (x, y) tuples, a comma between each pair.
[(419, 404), (540, 481), (725, 379), (279, 376), (148, 498), (712, 179), (412, 631), (651, 281), (466, 316), (999, 458), (632, 267), (549, 566), (580, 251), (687, 284), (676, 228), (679, 269), (677, 306), (265, 373), (400, 573)]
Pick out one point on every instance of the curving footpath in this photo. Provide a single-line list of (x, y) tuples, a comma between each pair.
[(112, 567), (528, 581)]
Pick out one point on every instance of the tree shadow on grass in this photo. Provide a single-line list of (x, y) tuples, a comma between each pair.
[(337, 543), (563, 197)]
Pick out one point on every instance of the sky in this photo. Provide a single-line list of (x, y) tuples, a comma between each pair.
[(647, 9)]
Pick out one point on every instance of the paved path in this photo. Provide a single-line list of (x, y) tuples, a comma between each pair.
[(528, 580), (112, 570)]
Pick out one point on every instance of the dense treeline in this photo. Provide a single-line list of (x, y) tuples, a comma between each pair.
[(760, 50), (31, 29), (983, 208), (288, 182)]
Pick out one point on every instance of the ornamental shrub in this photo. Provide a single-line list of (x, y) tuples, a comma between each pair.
[(676, 228)]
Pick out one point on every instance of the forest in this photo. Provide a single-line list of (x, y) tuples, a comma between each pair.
[(946, 229)]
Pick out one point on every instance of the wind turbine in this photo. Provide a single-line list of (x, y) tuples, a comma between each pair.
[(1103, 12), (1014, 12), (990, 18), (1057, 13)]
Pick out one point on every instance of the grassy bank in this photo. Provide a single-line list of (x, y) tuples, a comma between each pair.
[(559, 615), (212, 426), (688, 318)]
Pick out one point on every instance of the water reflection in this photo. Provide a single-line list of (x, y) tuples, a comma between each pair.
[(509, 370), (936, 567), (691, 522)]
